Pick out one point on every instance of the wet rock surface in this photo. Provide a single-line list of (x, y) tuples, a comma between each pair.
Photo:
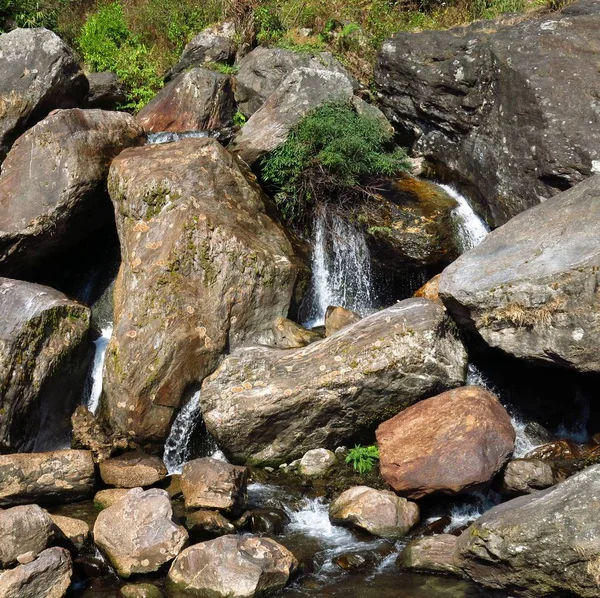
[(431, 554)]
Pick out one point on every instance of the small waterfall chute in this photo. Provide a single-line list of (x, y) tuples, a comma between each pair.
[(98, 366)]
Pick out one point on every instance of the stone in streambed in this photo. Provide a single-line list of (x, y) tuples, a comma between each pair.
[(289, 335), (379, 512), (337, 318), (140, 590), (446, 444), (107, 498), (271, 406), (316, 462), (432, 554), (524, 476), (233, 567), (132, 470), (208, 523), (75, 531)]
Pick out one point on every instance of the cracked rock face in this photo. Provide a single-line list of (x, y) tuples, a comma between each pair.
[(484, 105), (271, 406), (138, 533), (541, 544)]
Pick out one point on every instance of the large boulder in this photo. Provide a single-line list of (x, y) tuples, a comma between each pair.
[(27, 529), (431, 554), (44, 358), (60, 476), (214, 484), (48, 576), (547, 543), (138, 533), (449, 443), (379, 512), (271, 406), (39, 74), (262, 71), (53, 185), (133, 469), (197, 100), (233, 567), (106, 91), (204, 268), (531, 288), (301, 92), (508, 107)]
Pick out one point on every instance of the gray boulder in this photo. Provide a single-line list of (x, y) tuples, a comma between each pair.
[(44, 358), (106, 91), (538, 545), (48, 576), (132, 470), (301, 92), (271, 406), (76, 532), (431, 554), (317, 462), (509, 107), (39, 74), (262, 71), (524, 476), (531, 288), (53, 185)]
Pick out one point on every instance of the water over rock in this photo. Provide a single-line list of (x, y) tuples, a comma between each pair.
[(484, 105), (379, 512), (204, 269), (132, 469), (197, 100), (301, 92), (542, 544), (43, 363), (448, 443), (138, 534), (271, 406), (54, 477), (39, 74), (233, 567), (532, 287), (53, 185)]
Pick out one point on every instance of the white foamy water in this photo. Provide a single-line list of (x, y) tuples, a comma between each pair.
[(168, 137), (465, 514), (472, 230), (101, 344), (341, 268)]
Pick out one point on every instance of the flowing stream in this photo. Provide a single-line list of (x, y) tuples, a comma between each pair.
[(97, 369), (471, 229)]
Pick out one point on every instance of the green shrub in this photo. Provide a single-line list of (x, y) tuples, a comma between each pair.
[(239, 119), (331, 156), (268, 26), (220, 67), (362, 458)]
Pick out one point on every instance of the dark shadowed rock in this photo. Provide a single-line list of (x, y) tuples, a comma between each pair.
[(532, 287), (59, 476), (208, 524), (543, 544), (44, 357), (524, 476), (233, 567), (301, 92), (430, 554), (106, 91), (48, 576), (53, 185), (138, 534), (133, 469), (448, 443), (213, 484), (484, 105), (39, 74), (262, 71), (271, 406), (379, 512), (197, 100), (204, 269)]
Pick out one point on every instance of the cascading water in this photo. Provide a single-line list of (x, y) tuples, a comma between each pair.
[(96, 390), (341, 266), (169, 137)]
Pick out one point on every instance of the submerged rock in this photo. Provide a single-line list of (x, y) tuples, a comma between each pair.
[(538, 545), (532, 287), (53, 185), (316, 462), (271, 406), (133, 469), (138, 534), (509, 107), (55, 477), (48, 576), (43, 363), (204, 269), (301, 92), (432, 554), (197, 100), (448, 443), (140, 590), (524, 476), (233, 567), (379, 512), (209, 483), (39, 73)]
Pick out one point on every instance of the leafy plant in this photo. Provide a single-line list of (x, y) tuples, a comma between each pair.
[(363, 458), (239, 119), (226, 69), (269, 28), (333, 155)]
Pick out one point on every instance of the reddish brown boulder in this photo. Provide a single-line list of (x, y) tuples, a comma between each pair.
[(197, 100), (449, 443), (337, 318), (558, 450), (431, 290)]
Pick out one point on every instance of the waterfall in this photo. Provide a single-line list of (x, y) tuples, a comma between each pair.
[(471, 229), (101, 344), (341, 268), (168, 137)]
